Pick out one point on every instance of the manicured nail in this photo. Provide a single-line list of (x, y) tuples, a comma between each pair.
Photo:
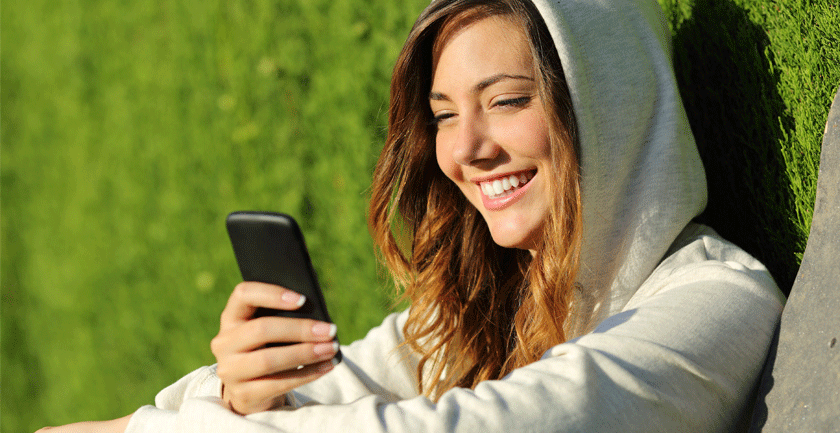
[(324, 329), (293, 298), (325, 348)]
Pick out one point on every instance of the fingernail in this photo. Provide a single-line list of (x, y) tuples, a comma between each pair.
[(293, 298), (325, 348), (324, 329)]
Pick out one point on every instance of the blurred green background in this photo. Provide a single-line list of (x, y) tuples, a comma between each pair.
[(130, 129)]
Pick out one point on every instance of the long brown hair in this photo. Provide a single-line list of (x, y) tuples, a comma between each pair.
[(478, 310)]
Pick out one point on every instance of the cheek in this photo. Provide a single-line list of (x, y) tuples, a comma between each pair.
[(537, 137), (443, 154)]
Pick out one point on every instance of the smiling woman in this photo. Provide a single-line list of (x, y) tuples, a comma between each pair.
[(556, 280), (501, 129), (495, 130), (492, 128)]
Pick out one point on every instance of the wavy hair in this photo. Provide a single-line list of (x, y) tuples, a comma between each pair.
[(478, 310)]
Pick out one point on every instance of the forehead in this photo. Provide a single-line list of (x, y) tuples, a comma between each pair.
[(482, 48)]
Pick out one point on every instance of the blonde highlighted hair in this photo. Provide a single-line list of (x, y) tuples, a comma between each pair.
[(478, 310)]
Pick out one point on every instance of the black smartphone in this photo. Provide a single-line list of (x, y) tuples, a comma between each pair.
[(269, 248)]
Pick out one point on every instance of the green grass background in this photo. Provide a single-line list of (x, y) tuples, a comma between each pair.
[(130, 129)]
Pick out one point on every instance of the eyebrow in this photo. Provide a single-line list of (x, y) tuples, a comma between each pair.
[(487, 82)]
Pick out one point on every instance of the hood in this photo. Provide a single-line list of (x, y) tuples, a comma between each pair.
[(642, 178)]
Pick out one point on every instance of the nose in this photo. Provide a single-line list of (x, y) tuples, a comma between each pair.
[(473, 142)]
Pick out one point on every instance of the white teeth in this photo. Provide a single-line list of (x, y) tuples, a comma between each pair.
[(487, 189), (504, 186), (497, 187)]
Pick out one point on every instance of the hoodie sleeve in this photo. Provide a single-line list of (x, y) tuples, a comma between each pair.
[(684, 355)]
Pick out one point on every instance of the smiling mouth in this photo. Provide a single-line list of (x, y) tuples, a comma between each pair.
[(504, 186)]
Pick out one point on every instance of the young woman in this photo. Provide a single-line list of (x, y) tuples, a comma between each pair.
[(539, 157)]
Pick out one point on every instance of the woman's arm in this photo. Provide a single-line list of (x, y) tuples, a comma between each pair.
[(373, 365), (686, 359), (683, 357)]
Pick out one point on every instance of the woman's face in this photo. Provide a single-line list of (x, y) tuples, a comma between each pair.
[(492, 137)]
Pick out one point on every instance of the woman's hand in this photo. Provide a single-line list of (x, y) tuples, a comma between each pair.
[(256, 378), (113, 426)]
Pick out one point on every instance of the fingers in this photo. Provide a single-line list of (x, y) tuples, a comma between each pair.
[(256, 333), (269, 392), (250, 295), (275, 362), (256, 375), (257, 380)]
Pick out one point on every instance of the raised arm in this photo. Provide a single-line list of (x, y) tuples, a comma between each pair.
[(683, 356)]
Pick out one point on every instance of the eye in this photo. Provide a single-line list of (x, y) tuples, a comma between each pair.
[(441, 118), (521, 101)]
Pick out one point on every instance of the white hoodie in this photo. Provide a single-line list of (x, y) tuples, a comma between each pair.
[(675, 322)]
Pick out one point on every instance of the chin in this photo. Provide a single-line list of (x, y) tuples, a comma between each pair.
[(520, 241), (513, 229), (516, 227)]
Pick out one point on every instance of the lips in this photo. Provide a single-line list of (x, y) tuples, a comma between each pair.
[(506, 185), (512, 187)]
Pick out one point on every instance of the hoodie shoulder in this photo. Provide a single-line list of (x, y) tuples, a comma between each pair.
[(700, 255)]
